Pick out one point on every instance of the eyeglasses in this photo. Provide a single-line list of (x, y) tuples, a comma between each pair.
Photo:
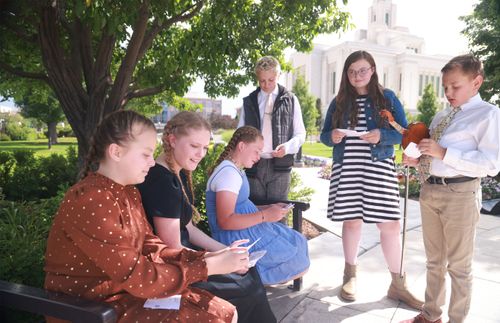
[(362, 72)]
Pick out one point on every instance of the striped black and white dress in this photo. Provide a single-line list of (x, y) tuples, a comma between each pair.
[(361, 188)]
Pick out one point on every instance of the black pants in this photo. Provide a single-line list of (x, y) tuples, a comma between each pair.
[(246, 292)]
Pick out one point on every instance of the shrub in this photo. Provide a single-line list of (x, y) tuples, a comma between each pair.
[(325, 172), (227, 134), (413, 183), (4, 137), (491, 187), (7, 163), (65, 131), (24, 228), (18, 131), (41, 135), (223, 121), (26, 177)]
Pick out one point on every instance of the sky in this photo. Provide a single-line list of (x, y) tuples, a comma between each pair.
[(434, 20)]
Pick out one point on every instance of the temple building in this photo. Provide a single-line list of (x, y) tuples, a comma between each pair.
[(402, 64)]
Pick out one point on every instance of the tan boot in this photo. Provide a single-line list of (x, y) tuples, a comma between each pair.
[(348, 292), (399, 291)]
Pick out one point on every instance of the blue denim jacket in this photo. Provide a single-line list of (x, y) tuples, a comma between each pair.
[(388, 136)]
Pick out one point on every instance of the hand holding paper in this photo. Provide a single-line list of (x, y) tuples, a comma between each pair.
[(412, 151), (352, 133), (255, 256)]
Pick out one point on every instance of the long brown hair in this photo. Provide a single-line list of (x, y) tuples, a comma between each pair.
[(115, 128), (246, 134), (179, 126), (347, 95)]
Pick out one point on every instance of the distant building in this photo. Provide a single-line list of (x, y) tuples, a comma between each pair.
[(7, 109), (402, 65), (209, 106)]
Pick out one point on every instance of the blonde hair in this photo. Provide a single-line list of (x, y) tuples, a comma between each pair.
[(115, 128), (179, 126), (246, 134), (267, 63)]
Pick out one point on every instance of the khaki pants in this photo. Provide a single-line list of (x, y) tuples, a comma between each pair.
[(449, 217)]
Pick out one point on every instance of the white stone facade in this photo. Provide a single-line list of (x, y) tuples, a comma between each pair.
[(402, 65)]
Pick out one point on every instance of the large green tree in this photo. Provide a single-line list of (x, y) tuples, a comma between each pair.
[(102, 55), (46, 110), (307, 104), (483, 31), (427, 105)]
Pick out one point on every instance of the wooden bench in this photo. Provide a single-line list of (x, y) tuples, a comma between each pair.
[(58, 305), (297, 224), (79, 310)]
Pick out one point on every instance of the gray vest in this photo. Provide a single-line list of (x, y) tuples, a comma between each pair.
[(282, 123)]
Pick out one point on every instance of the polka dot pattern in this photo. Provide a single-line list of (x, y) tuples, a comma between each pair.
[(101, 247)]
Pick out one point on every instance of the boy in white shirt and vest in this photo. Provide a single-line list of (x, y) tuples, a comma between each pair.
[(463, 148), (276, 112)]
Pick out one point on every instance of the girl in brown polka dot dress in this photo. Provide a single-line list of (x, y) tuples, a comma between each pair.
[(102, 248)]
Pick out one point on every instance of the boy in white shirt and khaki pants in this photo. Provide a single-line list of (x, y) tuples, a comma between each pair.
[(463, 148)]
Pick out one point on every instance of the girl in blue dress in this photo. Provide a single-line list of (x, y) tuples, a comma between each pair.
[(232, 216)]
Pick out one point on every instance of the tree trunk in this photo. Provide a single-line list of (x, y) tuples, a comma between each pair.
[(52, 133)]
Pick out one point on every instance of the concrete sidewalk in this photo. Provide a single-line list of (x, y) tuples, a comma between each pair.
[(318, 301)]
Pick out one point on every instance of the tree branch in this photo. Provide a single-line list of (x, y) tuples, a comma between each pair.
[(21, 73), (156, 28), (75, 52), (145, 92), (62, 78), (129, 62), (84, 47)]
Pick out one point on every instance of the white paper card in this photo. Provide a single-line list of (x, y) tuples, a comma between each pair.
[(352, 133), (412, 151), (255, 256), (167, 303), (253, 243)]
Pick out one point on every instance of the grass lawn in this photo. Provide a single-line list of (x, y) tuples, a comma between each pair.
[(40, 146), (316, 149), (319, 150)]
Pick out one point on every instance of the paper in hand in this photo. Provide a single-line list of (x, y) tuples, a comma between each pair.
[(166, 303), (255, 256), (352, 133), (412, 151), (252, 244)]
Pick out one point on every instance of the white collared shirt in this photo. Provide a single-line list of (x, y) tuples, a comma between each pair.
[(471, 141), (292, 146)]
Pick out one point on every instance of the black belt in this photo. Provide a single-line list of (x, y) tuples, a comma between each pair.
[(449, 180)]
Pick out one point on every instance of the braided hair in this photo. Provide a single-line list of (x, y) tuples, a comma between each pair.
[(115, 128), (246, 134), (179, 126)]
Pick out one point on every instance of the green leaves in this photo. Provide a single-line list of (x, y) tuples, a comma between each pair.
[(98, 56), (307, 102), (483, 31), (427, 106)]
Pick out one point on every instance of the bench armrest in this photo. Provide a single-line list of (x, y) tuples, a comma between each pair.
[(297, 224), (297, 210), (58, 305)]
